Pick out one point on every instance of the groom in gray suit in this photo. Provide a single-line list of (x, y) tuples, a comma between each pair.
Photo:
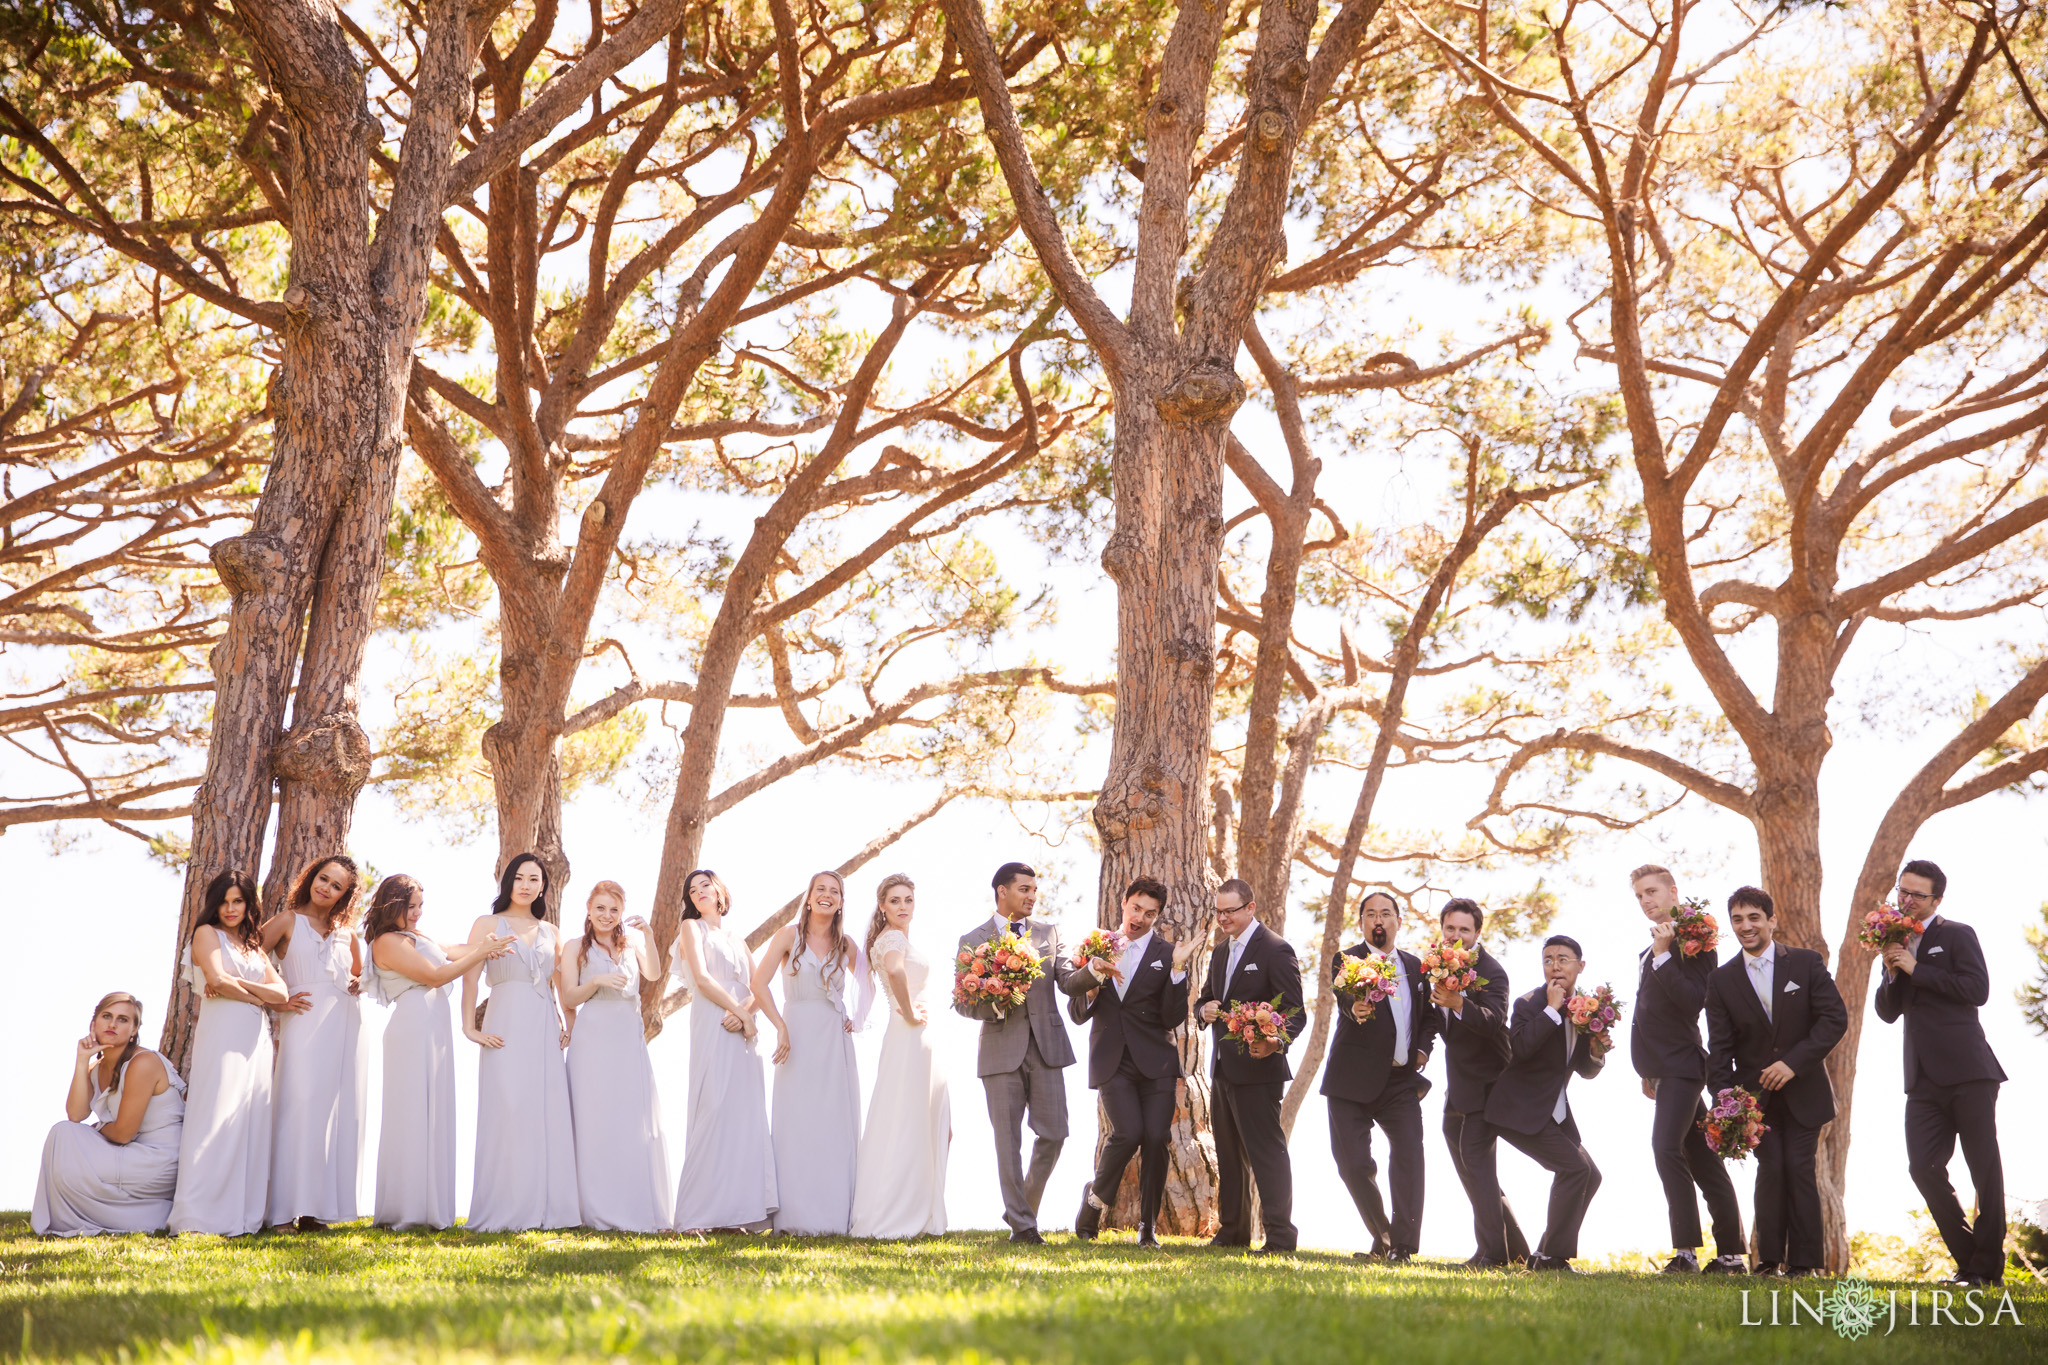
[(1022, 1054)]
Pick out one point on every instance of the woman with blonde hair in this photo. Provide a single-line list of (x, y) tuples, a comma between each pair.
[(728, 1180), (621, 1157), (116, 1175), (410, 974), (900, 1190), (224, 1154), (816, 1111), (317, 1141)]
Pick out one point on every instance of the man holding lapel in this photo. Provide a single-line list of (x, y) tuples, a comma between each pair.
[(1773, 1016), (1248, 1081), (1528, 1106), (1022, 1054), (1664, 1044), (1133, 1065), (1474, 1027), (1374, 1075), (1938, 981)]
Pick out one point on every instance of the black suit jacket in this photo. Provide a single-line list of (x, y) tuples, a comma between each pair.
[(1664, 1040), (1526, 1093), (1267, 969), (1807, 1019), (1138, 1021), (1362, 1055), (1476, 1042), (1945, 1044)]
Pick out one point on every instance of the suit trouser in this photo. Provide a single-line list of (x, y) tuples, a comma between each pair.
[(1788, 1227), (1041, 1091), (1398, 1112), (1140, 1113), (1496, 1235), (1251, 1145), (1573, 1179), (1935, 1116), (1683, 1160)]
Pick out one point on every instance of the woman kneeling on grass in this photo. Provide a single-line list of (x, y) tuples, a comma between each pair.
[(116, 1175)]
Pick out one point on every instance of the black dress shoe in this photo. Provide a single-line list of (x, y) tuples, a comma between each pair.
[(1145, 1237), (1483, 1263), (1558, 1264), (1725, 1265), (1768, 1269), (1028, 1236), (1271, 1250), (1398, 1257), (1684, 1263), (1088, 1222), (1219, 1240), (1802, 1272)]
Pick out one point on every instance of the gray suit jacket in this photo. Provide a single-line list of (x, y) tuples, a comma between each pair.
[(1003, 1040)]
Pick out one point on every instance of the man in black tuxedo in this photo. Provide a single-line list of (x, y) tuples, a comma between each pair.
[(1247, 1082), (1133, 1066), (1529, 1109), (1664, 1044), (1474, 1027), (1374, 1075), (1938, 981), (1773, 1016)]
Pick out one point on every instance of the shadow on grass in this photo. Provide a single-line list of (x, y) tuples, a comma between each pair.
[(576, 1294)]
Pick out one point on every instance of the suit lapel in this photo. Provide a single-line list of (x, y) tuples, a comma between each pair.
[(1251, 945), (1781, 976)]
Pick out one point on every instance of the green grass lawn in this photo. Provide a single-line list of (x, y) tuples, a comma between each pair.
[(359, 1296)]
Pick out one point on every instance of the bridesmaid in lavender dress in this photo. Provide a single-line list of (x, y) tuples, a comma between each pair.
[(901, 1189), (316, 1144), (816, 1111), (409, 975), (525, 1140), (728, 1164), (116, 1175), (621, 1158), (224, 1155)]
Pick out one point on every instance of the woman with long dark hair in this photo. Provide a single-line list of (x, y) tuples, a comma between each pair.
[(224, 1155), (316, 1145), (728, 1165), (621, 1158), (409, 973), (816, 1111), (116, 1174), (525, 1173)]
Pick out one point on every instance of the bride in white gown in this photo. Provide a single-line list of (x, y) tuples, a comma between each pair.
[(900, 1186)]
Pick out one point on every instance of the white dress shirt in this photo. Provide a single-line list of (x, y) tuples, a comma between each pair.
[(998, 926), (1763, 971), (1127, 962), (1571, 1042), (1399, 1000), (1237, 946)]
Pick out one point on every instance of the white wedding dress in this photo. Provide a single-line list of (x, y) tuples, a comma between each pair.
[(900, 1186)]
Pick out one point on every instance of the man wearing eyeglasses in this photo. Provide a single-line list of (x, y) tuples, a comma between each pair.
[(1937, 979)]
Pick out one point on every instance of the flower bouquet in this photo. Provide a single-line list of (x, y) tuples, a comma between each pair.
[(998, 972), (1735, 1125), (1887, 925), (1106, 945), (1596, 1016), (1450, 965), (1368, 979), (1255, 1021), (1695, 929)]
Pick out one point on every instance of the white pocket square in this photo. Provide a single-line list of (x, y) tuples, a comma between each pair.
[(1159, 966), (1791, 986), (1251, 966), (1932, 951)]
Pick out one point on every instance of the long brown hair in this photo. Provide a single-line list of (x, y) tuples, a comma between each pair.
[(803, 926), (302, 889), (690, 910), (250, 930), (134, 1039), (880, 922), (390, 903), (617, 947)]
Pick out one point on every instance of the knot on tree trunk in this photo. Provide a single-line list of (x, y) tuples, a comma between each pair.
[(1269, 129), (248, 564), (329, 752), (1208, 391), (1122, 558), (1136, 802)]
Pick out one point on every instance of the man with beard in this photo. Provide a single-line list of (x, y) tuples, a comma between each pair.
[(1374, 1075), (1773, 1015), (1136, 1002), (1474, 1027)]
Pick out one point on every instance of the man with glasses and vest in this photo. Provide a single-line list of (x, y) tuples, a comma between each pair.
[(1937, 981)]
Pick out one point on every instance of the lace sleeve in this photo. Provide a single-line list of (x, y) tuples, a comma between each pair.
[(890, 941)]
